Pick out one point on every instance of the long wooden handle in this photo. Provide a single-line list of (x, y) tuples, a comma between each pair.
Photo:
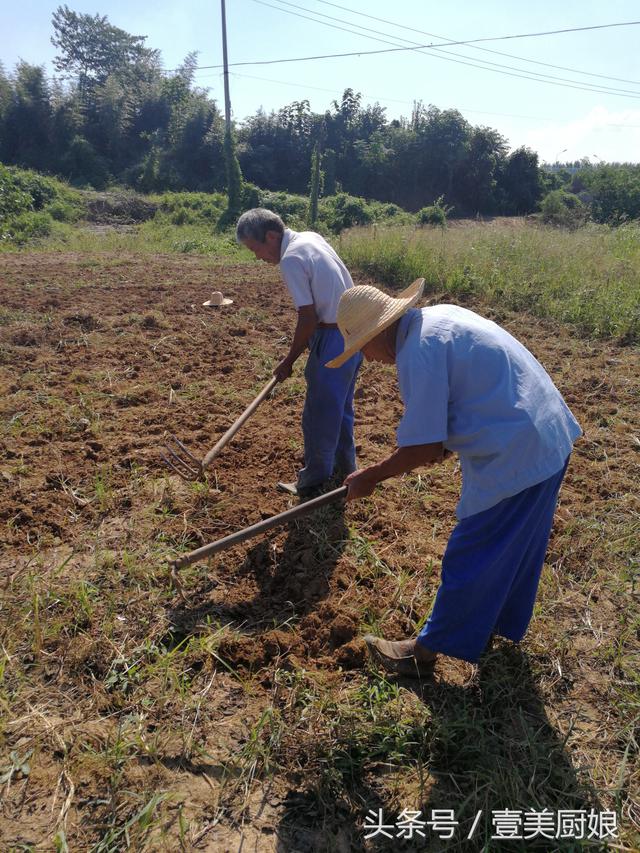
[(235, 426), (262, 526)]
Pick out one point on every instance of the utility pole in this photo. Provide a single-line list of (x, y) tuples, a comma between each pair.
[(225, 60), (234, 175)]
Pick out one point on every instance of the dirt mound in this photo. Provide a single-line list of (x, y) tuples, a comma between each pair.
[(118, 208)]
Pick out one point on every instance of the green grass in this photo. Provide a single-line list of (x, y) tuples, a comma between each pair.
[(589, 277), (146, 238)]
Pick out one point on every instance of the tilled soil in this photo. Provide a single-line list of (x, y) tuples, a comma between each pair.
[(98, 358)]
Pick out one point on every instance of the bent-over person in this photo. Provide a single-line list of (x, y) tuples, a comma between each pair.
[(316, 279), (470, 388)]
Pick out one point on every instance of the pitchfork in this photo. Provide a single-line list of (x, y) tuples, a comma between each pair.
[(188, 466)]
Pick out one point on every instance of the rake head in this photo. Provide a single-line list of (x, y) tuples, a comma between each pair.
[(181, 460)]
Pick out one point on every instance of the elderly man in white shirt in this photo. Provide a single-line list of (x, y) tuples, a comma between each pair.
[(316, 279), (468, 387)]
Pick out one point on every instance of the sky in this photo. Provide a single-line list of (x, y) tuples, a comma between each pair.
[(561, 119)]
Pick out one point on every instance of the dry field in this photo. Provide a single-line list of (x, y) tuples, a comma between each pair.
[(248, 718)]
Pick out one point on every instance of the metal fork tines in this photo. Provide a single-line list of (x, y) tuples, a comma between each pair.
[(182, 461)]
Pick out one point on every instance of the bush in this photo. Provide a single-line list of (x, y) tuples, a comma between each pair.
[(292, 208), (563, 209), (27, 226), (614, 191), (64, 211), (13, 199), (434, 214), (29, 202), (344, 211), (84, 166), (191, 208)]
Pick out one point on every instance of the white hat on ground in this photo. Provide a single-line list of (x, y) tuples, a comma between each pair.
[(217, 299)]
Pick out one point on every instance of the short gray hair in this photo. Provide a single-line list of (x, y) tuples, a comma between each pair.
[(254, 224)]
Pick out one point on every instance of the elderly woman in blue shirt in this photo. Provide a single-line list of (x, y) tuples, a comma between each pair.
[(468, 387)]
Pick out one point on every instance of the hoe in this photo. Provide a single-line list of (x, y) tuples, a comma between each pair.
[(288, 515)]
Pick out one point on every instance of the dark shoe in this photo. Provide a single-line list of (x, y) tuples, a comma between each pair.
[(398, 658)]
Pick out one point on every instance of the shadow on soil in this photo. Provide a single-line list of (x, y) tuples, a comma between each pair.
[(291, 582), (487, 746)]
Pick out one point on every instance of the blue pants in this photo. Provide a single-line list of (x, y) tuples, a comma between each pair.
[(490, 573), (327, 419)]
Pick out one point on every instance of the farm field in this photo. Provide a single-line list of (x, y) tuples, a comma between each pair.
[(247, 717)]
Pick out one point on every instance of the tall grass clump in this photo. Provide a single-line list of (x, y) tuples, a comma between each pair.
[(589, 277)]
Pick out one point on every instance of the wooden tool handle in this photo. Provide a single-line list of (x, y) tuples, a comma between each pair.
[(233, 429), (262, 526)]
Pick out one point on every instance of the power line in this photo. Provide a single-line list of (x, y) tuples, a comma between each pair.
[(402, 49), (376, 97), (594, 86), (484, 49), (421, 49), (408, 103)]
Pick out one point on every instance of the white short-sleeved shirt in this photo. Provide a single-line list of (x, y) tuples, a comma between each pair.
[(468, 383), (313, 273)]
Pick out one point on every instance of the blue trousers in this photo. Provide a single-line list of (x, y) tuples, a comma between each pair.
[(327, 418), (490, 573)]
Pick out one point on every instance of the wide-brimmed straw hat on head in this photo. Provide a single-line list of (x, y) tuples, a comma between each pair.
[(217, 299), (365, 311)]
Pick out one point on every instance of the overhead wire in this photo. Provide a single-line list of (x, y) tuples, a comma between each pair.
[(376, 97), (398, 101), (577, 85), (402, 49), (438, 51), (475, 47)]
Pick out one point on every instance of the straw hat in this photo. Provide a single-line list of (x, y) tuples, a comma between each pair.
[(217, 299), (365, 311)]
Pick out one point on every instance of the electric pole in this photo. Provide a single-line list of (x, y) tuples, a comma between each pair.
[(225, 60), (234, 175)]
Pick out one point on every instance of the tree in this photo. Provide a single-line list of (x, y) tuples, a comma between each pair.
[(91, 48), (28, 119), (614, 191), (476, 180), (520, 182)]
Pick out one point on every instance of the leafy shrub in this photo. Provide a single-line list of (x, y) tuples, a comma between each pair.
[(64, 211), (344, 211), (29, 202), (292, 208), (614, 191), (83, 166), (191, 208), (250, 196), (28, 226), (563, 209), (13, 199), (434, 214)]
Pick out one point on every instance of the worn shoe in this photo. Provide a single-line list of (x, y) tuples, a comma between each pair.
[(305, 493), (398, 657), (289, 488)]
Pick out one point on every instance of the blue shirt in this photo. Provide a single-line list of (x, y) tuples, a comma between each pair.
[(468, 383)]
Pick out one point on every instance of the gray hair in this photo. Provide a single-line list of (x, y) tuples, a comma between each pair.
[(254, 224)]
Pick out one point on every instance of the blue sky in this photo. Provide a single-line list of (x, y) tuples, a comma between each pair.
[(558, 122)]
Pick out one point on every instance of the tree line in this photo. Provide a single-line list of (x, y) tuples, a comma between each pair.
[(113, 115)]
